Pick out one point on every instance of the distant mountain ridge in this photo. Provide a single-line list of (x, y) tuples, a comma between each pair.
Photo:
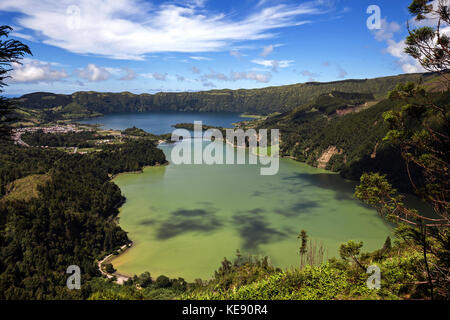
[(256, 101)]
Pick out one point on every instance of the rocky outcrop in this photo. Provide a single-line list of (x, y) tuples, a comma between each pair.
[(326, 156)]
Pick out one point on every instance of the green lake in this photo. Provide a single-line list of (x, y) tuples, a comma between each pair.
[(184, 219)]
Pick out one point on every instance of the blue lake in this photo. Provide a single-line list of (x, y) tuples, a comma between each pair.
[(162, 122)]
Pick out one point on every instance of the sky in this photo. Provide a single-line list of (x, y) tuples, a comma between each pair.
[(150, 46)]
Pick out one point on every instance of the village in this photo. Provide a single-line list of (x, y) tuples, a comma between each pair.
[(16, 134)]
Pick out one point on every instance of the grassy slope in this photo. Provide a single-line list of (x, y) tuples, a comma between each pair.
[(25, 188)]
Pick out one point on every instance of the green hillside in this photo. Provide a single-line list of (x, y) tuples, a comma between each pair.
[(254, 101), (349, 143)]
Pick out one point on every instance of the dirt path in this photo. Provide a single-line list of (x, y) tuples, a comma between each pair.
[(120, 278)]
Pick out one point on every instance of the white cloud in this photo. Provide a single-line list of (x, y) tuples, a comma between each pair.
[(267, 50), (156, 76), (396, 49), (235, 76), (406, 62), (311, 75), (93, 73), (114, 71), (215, 75), (130, 29), (258, 77), (342, 74), (387, 30), (235, 53), (274, 64), (199, 58), (209, 84), (23, 36), (195, 3), (194, 69), (307, 73), (32, 71), (130, 74)]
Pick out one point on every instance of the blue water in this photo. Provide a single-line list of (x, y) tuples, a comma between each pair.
[(162, 122)]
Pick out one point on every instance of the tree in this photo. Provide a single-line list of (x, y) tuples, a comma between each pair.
[(145, 279), (430, 45), (162, 282), (109, 268), (11, 51), (351, 250), (179, 284), (420, 130), (387, 244), (303, 249)]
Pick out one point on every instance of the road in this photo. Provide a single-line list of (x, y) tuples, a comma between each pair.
[(120, 278)]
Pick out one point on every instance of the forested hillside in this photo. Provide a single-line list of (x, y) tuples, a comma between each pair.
[(318, 134), (254, 101), (70, 220)]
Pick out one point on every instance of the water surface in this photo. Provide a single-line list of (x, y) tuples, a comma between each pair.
[(184, 219), (162, 122)]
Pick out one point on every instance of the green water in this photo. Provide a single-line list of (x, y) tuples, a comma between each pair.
[(184, 219)]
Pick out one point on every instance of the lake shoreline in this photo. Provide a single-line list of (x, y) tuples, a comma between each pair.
[(121, 278), (141, 259), (138, 171)]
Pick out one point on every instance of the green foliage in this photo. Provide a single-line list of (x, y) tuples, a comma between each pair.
[(109, 268), (303, 249), (101, 289), (83, 139), (311, 283), (136, 132), (179, 284), (330, 103), (420, 129), (420, 8), (144, 280), (429, 44), (351, 250), (136, 288), (71, 222), (387, 244), (400, 267), (376, 191), (358, 138), (162, 282), (11, 51)]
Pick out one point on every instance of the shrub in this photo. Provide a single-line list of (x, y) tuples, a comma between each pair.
[(144, 280), (109, 268), (162, 282)]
